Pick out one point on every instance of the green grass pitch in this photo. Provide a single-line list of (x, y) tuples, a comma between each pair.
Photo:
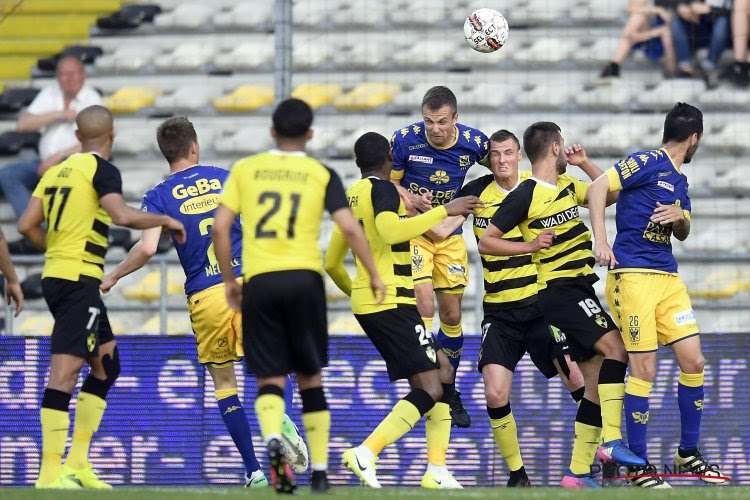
[(626, 493)]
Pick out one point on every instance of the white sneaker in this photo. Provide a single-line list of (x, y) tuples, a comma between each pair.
[(296, 449), (256, 480), (362, 466), (440, 479)]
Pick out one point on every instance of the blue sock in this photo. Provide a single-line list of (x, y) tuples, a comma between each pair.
[(690, 400), (452, 346), (636, 423), (288, 394), (236, 421)]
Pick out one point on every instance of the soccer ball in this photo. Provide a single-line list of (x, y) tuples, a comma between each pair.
[(486, 30)]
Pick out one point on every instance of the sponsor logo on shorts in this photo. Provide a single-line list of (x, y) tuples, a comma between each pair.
[(431, 354), (640, 418), (635, 334), (665, 185), (601, 321), (420, 159), (684, 317), (417, 263), (223, 342), (456, 269), (557, 334), (91, 342)]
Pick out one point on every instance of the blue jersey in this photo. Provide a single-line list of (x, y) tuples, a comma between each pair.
[(424, 168), (646, 177), (191, 196)]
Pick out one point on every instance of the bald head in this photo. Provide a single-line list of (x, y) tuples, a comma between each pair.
[(94, 123)]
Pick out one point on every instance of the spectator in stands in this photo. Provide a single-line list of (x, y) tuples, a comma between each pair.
[(697, 24), (53, 113), (12, 286), (648, 21), (739, 72)]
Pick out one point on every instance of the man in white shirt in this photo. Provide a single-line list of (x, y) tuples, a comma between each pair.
[(52, 113)]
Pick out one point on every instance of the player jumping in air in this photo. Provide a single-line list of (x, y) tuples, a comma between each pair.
[(281, 196), (545, 209), (644, 290), (78, 199), (394, 326), (430, 161), (189, 195)]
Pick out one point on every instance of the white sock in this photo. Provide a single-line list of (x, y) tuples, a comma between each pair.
[(365, 452), (438, 470)]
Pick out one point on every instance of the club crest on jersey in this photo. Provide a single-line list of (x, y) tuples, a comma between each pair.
[(601, 321), (464, 161), (420, 159), (439, 177)]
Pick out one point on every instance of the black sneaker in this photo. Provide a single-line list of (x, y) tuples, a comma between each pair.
[(459, 415), (518, 479), (646, 477), (611, 70), (693, 462), (319, 482), (282, 477)]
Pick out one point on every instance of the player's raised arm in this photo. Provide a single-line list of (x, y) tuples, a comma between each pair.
[(334, 261), (492, 243), (137, 257), (12, 286), (576, 155), (597, 195), (124, 215)]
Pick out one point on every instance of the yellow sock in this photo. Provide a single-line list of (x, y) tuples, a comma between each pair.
[(89, 411), (269, 408), (505, 432), (611, 397), (587, 440), (318, 430), (691, 379), (451, 330), (225, 393), (398, 422), (438, 430), (55, 425), (427, 324)]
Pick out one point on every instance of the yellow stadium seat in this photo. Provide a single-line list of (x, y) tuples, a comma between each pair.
[(38, 324), (148, 289), (177, 324), (245, 98), (721, 285), (66, 26), (16, 67), (131, 99), (345, 325), (317, 94), (31, 47), (367, 96), (59, 6)]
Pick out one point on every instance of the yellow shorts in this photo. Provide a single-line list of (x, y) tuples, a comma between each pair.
[(650, 307), (217, 328), (445, 263)]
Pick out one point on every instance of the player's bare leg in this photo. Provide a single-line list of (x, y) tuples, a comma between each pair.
[(571, 377), (690, 398), (425, 297), (451, 340), (498, 382), (317, 421)]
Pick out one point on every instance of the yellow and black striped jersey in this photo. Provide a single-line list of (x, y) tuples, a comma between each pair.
[(509, 282), (281, 197), (535, 206), (77, 225)]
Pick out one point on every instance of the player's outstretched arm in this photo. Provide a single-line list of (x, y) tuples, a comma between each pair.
[(355, 237), (12, 286), (445, 228), (576, 155), (597, 199), (136, 258), (30, 223), (393, 229), (220, 234), (124, 215), (492, 243), (334, 261)]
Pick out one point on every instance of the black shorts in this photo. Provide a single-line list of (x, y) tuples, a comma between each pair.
[(400, 337), (508, 335), (284, 324), (575, 309), (81, 322)]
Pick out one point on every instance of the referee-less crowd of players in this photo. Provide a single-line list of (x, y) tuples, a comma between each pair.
[(258, 285)]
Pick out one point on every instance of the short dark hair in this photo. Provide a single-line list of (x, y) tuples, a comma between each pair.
[(538, 137), (292, 118), (504, 135), (175, 136), (440, 96), (681, 122), (371, 151)]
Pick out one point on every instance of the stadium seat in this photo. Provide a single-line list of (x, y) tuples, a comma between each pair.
[(246, 55), (59, 7), (127, 58), (420, 13), (309, 12), (491, 95), (130, 141), (323, 138), (616, 138), (64, 26), (344, 324), (548, 95), (363, 55), (129, 17), (310, 51), (246, 15), (614, 97), (86, 54), (187, 98), (725, 98), (13, 100), (37, 324), (359, 12), (599, 11), (733, 137), (245, 98), (12, 142), (666, 93), (187, 15), (426, 52), (317, 94), (148, 288), (367, 96), (246, 140), (409, 101), (16, 67), (177, 324), (32, 47), (721, 284), (735, 182), (187, 56), (344, 146), (545, 51), (131, 99)]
